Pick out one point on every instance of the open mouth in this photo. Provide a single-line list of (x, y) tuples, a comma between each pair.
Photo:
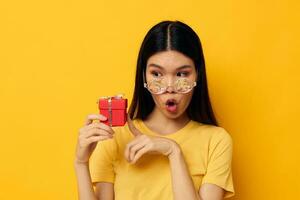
[(171, 105)]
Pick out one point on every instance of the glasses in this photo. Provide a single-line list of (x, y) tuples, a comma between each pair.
[(159, 85)]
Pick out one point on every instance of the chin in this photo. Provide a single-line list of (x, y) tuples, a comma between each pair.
[(172, 115)]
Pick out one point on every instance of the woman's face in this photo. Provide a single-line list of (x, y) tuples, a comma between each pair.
[(171, 65)]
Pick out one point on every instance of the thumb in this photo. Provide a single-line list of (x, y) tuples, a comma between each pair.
[(132, 128)]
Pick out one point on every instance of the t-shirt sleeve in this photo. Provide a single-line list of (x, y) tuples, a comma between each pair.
[(101, 163), (219, 170)]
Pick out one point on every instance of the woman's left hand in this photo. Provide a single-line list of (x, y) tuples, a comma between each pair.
[(143, 144)]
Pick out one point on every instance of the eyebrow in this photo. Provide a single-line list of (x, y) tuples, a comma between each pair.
[(178, 68)]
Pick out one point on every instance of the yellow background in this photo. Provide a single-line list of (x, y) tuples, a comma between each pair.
[(58, 57)]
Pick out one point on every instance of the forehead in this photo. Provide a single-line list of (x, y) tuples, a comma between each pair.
[(170, 60)]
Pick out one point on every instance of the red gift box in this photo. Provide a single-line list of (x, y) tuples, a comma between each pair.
[(114, 108)]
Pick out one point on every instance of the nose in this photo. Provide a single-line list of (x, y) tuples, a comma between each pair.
[(170, 86), (170, 89)]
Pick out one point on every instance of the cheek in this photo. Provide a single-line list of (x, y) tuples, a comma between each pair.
[(157, 100), (186, 100)]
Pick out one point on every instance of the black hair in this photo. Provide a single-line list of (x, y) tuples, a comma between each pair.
[(177, 36)]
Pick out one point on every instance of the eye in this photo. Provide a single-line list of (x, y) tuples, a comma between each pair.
[(183, 73), (155, 73)]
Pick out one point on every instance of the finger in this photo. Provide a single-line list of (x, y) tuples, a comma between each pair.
[(139, 154), (87, 142), (134, 149), (97, 132), (132, 128), (91, 117), (129, 145), (101, 126), (97, 138)]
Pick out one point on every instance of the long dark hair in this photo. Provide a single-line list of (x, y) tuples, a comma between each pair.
[(178, 36)]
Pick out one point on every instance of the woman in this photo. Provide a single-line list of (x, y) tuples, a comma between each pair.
[(172, 148)]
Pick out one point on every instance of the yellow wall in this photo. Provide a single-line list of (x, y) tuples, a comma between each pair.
[(58, 57)]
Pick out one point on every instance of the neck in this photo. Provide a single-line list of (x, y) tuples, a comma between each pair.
[(159, 122)]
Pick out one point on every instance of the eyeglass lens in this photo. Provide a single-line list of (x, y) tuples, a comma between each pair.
[(181, 85)]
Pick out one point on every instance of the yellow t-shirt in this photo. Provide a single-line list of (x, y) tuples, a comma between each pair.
[(207, 150)]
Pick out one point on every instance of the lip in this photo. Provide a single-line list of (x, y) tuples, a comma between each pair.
[(174, 108), (171, 100)]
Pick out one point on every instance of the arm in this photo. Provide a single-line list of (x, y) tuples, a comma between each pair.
[(183, 187), (103, 191), (89, 136), (84, 183)]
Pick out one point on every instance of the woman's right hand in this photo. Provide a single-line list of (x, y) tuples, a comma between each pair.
[(89, 135)]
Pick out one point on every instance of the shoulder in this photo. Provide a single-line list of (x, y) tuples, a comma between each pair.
[(212, 134), (221, 134), (221, 142), (223, 137)]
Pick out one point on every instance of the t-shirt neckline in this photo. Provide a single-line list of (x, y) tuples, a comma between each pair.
[(145, 128)]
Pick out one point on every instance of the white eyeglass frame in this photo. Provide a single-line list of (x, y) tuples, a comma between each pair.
[(163, 91)]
